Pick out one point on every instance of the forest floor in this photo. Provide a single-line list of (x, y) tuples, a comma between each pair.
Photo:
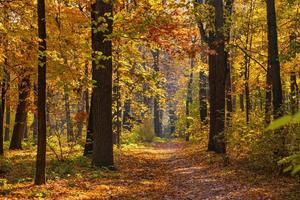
[(169, 170)]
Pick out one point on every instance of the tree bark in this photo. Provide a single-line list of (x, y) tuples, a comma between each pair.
[(268, 104), (70, 132), (21, 113), (102, 92), (189, 97), (7, 108), (157, 112), (35, 115), (41, 149), (217, 70), (203, 96), (2, 107), (274, 59)]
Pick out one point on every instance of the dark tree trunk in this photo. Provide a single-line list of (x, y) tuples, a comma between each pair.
[(102, 92), (70, 132), (86, 92), (203, 96), (247, 89), (41, 148), (119, 108), (274, 59), (242, 105), (294, 93), (229, 106), (217, 70), (49, 122), (21, 114), (275, 75), (88, 148), (80, 106), (247, 63), (268, 104), (35, 115), (2, 107), (126, 115), (293, 79), (189, 98), (7, 108), (157, 112), (25, 134)]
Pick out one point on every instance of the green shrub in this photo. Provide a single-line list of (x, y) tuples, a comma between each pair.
[(145, 131), (5, 165)]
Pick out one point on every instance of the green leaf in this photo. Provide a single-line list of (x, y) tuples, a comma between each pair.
[(296, 170), (280, 122), (296, 118), (287, 169)]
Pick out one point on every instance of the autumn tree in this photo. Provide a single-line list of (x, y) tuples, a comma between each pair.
[(217, 70), (40, 174), (101, 107)]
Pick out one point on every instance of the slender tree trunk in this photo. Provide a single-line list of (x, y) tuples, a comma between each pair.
[(268, 104), (70, 132), (229, 105), (119, 108), (88, 148), (247, 89), (21, 113), (2, 107), (157, 113), (102, 92), (25, 134), (189, 98), (228, 16), (80, 106), (203, 96), (35, 115), (41, 148), (126, 115), (7, 108), (293, 80)]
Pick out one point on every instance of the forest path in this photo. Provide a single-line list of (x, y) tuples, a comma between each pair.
[(162, 171), (176, 170)]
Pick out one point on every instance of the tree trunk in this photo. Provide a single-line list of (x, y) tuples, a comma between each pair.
[(157, 112), (293, 80), (21, 113), (189, 98), (41, 149), (217, 70), (7, 109), (203, 96), (2, 107), (88, 147), (229, 106), (294, 93), (275, 74), (80, 106), (274, 59), (102, 92), (35, 115), (268, 104), (70, 132)]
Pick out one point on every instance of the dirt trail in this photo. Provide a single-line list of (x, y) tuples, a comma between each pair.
[(173, 171), (165, 171)]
